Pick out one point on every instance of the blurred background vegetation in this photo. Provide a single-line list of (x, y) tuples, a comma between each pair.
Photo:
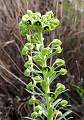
[(71, 32)]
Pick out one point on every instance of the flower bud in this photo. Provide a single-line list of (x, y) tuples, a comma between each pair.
[(34, 114), (25, 50), (60, 86), (32, 100), (59, 62), (56, 42), (64, 103), (30, 86), (27, 72), (63, 71), (37, 108), (58, 49), (58, 114)]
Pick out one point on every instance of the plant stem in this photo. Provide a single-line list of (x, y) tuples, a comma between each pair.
[(41, 38), (48, 97), (32, 76)]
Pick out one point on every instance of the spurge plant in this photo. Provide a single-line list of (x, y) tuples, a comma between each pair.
[(40, 70)]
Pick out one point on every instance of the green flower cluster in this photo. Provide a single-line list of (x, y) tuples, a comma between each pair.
[(34, 21)]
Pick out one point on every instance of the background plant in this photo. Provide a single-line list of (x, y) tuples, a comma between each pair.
[(40, 68)]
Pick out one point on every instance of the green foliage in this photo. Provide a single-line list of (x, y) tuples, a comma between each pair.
[(37, 67)]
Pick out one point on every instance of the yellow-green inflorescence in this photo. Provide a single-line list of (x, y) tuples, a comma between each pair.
[(40, 70)]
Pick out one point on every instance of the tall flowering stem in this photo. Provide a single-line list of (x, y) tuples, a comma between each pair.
[(46, 103)]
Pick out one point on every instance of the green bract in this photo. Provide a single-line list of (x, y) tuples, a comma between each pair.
[(37, 78), (27, 72), (30, 86), (28, 64), (64, 103), (48, 72), (60, 88), (49, 15), (46, 51), (23, 28), (25, 50), (58, 114), (59, 62), (39, 47), (49, 23), (39, 59), (39, 110), (29, 46), (34, 115), (56, 43), (58, 49), (33, 100), (39, 66), (63, 71)]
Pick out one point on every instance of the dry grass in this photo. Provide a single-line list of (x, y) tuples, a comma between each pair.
[(11, 62)]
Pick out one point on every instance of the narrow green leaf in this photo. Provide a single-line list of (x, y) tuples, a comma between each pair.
[(56, 102), (65, 114)]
